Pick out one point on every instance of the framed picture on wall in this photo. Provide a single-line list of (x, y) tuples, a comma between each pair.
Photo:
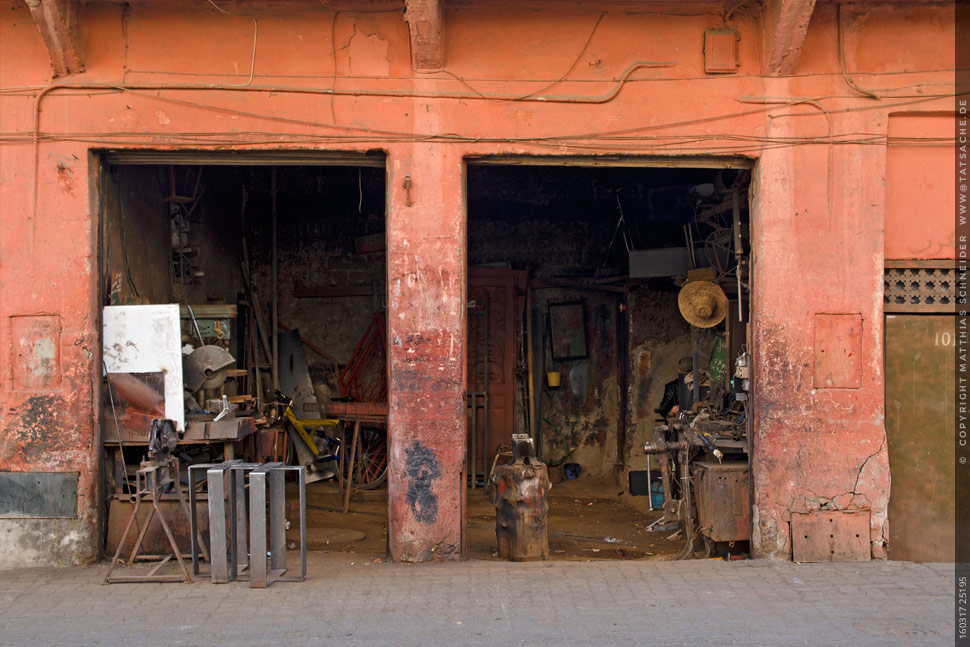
[(567, 330)]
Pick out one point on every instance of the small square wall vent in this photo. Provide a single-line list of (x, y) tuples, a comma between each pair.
[(721, 51)]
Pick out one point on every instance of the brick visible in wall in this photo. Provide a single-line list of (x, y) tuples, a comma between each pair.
[(36, 357), (838, 351)]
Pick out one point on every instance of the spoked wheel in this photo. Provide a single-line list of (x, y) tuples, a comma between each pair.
[(372, 457)]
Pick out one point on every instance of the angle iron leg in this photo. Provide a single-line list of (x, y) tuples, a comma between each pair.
[(257, 530)]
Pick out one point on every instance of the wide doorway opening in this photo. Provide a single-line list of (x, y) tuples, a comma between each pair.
[(596, 294), (258, 284)]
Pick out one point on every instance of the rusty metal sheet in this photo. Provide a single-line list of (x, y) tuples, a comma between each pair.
[(32, 495), (155, 542), (229, 429), (723, 502), (836, 536), (838, 351), (295, 376)]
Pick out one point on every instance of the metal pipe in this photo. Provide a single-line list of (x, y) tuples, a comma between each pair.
[(474, 433), (530, 363), (736, 226), (257, 386), (695, 361), (195, 325), (485, 448), (541, 377), (276, 312), (649, 484), (621, 381)]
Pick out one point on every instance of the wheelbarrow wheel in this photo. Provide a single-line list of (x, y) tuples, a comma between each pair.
[(373, 459)]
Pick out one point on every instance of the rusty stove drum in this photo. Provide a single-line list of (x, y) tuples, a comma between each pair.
[(520, 505)]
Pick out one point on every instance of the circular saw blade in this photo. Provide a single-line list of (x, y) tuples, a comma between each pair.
[(206, 367), (216, 379)]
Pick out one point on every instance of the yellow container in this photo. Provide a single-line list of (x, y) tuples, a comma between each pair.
[(553, 379)]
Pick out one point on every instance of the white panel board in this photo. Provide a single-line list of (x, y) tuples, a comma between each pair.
[(147, 339)]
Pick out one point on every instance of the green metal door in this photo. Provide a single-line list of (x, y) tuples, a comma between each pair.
[(920, 431)]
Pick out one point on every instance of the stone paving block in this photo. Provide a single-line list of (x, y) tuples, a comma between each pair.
[(562, 604)]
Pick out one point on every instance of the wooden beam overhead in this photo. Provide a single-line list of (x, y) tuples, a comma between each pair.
[(425, 19), (785, 23), (57, 21)]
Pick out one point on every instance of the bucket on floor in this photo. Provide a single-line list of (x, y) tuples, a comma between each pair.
[(571, 471), (555, 473)]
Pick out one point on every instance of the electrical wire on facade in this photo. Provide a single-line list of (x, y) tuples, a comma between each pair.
[(410, 136), (563, 142)]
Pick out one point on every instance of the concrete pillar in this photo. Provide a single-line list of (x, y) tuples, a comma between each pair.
[(819, 441), (426, 351)]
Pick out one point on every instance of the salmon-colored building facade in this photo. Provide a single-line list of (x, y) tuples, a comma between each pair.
[(843, 111)]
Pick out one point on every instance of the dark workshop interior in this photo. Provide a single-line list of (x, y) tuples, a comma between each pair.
[(593, 292)]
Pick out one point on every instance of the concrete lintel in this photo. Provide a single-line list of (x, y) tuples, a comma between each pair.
[(425, 19), (57, 21), (785, 25)]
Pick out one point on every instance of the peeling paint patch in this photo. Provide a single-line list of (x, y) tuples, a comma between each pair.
[(36, 430), (367, 54), (36, 356), (65, 178)]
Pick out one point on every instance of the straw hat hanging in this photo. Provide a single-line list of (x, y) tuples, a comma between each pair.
[(702, 304)]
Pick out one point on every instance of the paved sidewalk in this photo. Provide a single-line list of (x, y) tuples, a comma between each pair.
[(496, 604)]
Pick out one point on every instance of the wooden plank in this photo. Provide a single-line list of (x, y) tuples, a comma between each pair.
[(220, 311), (614, 161), (919, 308), (946, 264), (538, 284)]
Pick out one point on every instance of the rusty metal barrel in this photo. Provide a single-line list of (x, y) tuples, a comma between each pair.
[(520, 504)]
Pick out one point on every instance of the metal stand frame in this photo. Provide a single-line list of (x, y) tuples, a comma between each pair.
[(267, 567), (151, 479), (227, 560), (231, 560)]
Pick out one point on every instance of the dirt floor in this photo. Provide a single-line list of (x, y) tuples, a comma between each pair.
[(588, 520)]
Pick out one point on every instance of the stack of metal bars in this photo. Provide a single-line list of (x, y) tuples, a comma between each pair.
[(230, 560)]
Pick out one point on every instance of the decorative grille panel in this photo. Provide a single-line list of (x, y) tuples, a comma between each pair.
[(920, 288)]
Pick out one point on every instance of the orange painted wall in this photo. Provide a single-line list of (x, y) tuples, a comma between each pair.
[(517, 80), (919, 187)]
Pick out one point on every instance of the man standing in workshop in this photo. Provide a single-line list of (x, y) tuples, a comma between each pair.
[(670, 402)]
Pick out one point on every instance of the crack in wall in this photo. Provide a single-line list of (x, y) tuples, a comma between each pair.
[(855, 487)]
